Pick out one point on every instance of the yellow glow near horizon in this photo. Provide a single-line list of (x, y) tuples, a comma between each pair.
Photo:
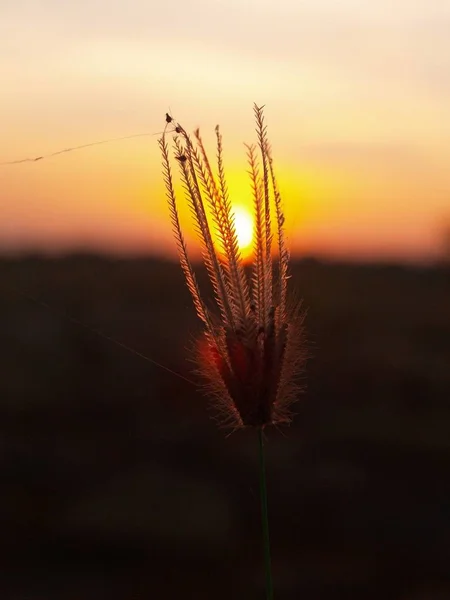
[(361, 139)]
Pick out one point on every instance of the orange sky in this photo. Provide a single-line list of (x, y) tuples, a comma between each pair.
[(357, 98)]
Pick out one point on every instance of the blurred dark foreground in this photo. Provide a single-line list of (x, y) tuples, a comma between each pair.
[(117, 485)]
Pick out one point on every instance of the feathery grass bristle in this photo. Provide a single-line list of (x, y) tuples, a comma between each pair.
[(252, 349)]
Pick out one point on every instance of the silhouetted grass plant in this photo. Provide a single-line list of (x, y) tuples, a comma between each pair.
[(252, 348)]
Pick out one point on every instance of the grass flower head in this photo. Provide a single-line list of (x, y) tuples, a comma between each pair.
[(252, 348)]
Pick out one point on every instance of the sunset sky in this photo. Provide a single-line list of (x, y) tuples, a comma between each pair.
[(357, 97)]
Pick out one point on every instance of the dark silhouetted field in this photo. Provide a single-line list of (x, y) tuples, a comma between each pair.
[(117, 485)]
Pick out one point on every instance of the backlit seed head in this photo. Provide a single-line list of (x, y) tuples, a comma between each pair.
[(252, 350)]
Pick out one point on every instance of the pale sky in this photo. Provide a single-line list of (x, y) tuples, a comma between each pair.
[(357, 97)]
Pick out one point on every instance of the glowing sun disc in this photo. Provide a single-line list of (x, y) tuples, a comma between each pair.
[(243, 223)]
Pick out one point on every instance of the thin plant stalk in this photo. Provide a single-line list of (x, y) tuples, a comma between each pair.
[(265, 516)]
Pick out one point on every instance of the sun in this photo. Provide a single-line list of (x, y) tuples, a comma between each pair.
[(243, 222)]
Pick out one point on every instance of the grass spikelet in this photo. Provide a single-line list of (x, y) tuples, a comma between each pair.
[(185, 263), (261, 131), (252, 351), (186, 158)]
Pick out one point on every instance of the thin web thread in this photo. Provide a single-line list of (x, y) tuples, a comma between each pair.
[(100, 333), (65, 150), (41, 303)]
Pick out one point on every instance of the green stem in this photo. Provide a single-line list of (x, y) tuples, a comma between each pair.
[(265, 516)]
